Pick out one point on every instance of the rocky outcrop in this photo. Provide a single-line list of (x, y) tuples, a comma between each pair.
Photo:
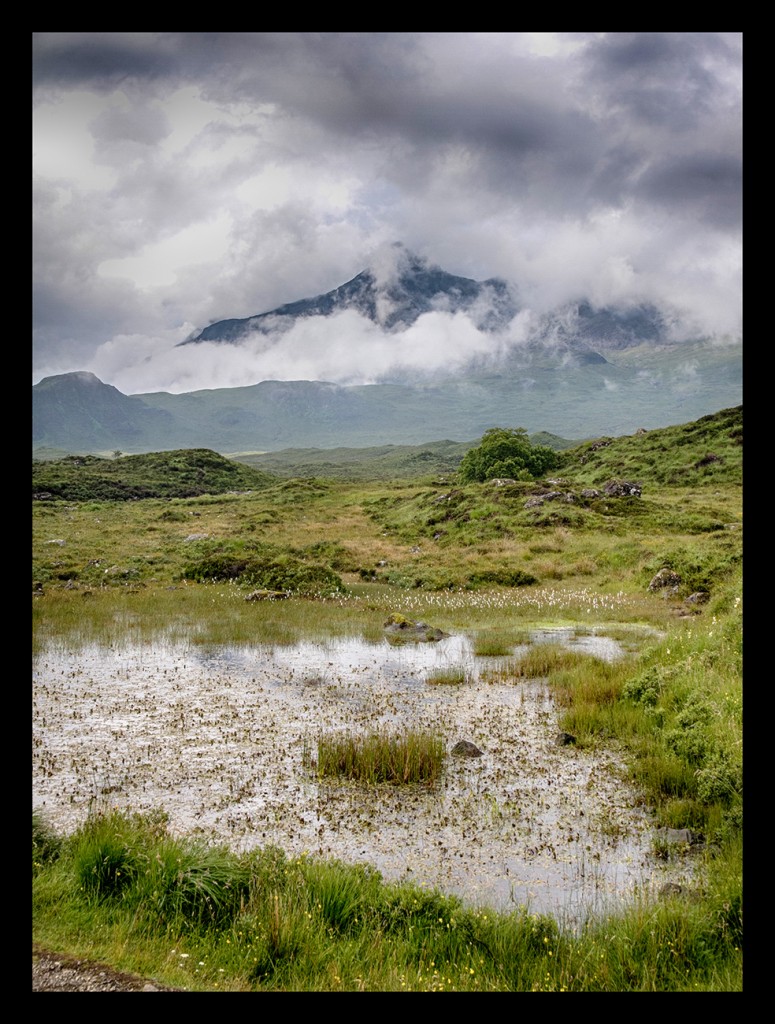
[(622, 489), (539, 499), (406, 629), (665, 578)]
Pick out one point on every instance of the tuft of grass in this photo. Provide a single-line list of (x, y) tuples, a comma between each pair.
[(131, 859), (545, 659), (414, 756), (498, 642), (453, 676)]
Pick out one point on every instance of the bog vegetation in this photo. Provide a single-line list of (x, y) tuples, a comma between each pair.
[(202, 534)]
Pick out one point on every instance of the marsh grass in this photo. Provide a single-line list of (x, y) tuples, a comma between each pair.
[(544, 659), (452, 676), (499, 642), (414, 756), (309, 924)]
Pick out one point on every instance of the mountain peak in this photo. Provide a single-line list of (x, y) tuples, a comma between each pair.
[(392, 261), (395, 289)]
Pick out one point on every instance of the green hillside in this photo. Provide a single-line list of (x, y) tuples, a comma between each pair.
[(386, 462), (176, 474)]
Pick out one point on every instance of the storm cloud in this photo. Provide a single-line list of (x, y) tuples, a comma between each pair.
[(184, 178)]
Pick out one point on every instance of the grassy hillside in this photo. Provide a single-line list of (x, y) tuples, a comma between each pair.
[(176, 474), (704, 451), (420, 532), (386, 462)]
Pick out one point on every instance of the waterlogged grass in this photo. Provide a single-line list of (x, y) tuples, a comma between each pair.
[(499, 642), (265, 922), (382, 757), (218, 613), (544, 659), (452, 676)]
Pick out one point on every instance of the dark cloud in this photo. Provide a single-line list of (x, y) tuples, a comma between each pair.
[(708, 185), (188, 177), (100, 59)]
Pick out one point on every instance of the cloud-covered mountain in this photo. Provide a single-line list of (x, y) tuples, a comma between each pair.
[(392, 292), (399, 287), (447, 358)]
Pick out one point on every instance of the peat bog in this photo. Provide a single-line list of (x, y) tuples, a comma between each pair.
[(223, 739)]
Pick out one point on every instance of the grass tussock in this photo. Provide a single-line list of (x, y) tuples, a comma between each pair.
[(544, 659), (498, 642), (452, 676), (414, 756)]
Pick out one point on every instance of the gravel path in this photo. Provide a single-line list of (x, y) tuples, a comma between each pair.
[(57, 972)]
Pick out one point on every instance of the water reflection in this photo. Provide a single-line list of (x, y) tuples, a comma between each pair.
[(218, 737)]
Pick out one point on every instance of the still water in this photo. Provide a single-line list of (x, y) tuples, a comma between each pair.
[(219, 738)]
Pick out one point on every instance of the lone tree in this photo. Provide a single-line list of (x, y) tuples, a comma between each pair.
[(506, 453)]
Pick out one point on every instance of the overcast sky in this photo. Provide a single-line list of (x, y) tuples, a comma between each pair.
[(184, 178)]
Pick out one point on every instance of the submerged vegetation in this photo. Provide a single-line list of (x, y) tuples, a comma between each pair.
[(494, 562)]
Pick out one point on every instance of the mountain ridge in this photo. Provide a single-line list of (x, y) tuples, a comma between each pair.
[(392, 296), (77, 412)]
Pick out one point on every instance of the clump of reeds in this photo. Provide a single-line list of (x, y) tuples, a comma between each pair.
[(544, 659), (454, 676), (380, 757), (498, 642)]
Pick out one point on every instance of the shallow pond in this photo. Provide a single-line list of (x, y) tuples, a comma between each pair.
[(218, 738)]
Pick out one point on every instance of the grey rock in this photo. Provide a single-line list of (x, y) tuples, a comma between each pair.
[(665, 578), (623, 489), (465, 748)]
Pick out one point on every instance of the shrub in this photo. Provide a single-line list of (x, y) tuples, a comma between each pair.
[(504, 577), (281, 572), (506, 453)]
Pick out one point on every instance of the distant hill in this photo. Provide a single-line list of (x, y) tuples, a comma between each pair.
[(700, 453), (648, 388), (385, 462), (174, 474), (77, 412)]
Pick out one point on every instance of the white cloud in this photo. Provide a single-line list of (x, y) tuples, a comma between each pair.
[(188, 178), (160, 263)]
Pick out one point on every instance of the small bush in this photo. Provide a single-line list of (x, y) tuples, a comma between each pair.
[(503, 578), (283, 572)]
